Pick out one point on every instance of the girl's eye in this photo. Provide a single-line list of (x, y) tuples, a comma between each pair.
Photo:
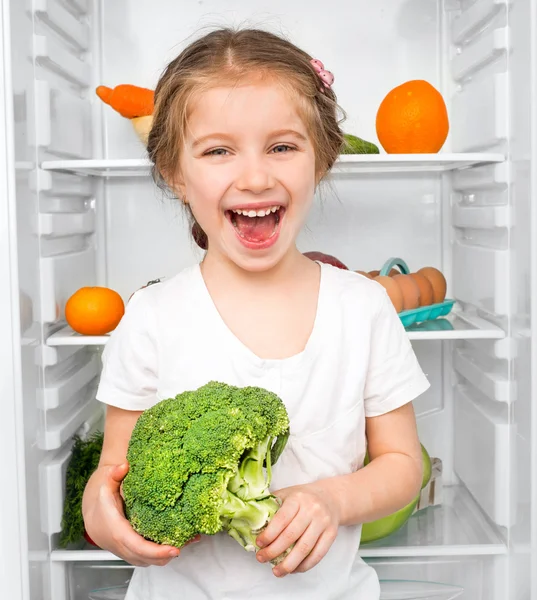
[(281, 149), (216, 152)]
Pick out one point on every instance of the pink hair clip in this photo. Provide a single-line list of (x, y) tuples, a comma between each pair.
[(326, 77)]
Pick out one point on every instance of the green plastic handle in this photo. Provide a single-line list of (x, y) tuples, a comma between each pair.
[(395, 262)]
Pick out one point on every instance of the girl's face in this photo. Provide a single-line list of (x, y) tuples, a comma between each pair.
[(247, 171)]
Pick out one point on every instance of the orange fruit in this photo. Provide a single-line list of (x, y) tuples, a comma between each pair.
[(94, 310), (412, 119)]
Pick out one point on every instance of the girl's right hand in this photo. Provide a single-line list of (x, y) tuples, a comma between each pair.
[(105, 522)]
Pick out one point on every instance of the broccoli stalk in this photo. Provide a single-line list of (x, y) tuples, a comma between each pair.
[(249, 506)]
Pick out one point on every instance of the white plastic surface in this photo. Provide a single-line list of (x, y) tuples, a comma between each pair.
[(491, 382), (416, 590), (481, 217), (61, 276), (489, 47), (477, 577), (50, 184), (14, 564), (62, 224), (481, 277), (79, 7), (46, 356), (483, 437), (67, 337), (483, 103), (61, 427), (60, 113), (51, 55), (489, 177), (51, 490), (350, 163), (60, 392), (56, 16), (474, 19)]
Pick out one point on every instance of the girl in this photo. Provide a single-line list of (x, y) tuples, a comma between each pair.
[(245, 127)]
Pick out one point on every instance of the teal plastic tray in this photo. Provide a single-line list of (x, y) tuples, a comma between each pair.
[(424, 313)]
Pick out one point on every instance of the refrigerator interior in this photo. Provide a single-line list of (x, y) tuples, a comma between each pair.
[(105, 223)]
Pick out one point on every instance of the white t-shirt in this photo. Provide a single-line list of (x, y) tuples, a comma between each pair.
[(358, 362)]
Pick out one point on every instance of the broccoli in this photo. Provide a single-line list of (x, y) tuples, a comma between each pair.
[(201, 463), (84, 460)]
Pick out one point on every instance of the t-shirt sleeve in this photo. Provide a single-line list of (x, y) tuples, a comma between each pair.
[(130, 359), (394, 376)]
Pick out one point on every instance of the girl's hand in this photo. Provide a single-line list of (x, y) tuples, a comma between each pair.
[(107, 526), (309, 518)]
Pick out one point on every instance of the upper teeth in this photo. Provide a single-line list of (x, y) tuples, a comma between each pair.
[(256, 213)]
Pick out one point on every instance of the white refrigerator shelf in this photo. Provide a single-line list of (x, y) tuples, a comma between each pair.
[(456, 528), (458, 327), (346, 164)]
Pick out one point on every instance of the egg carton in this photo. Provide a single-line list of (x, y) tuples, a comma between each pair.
[(423, 313)]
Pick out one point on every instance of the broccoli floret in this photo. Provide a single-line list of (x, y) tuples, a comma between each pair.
[(202, 463)]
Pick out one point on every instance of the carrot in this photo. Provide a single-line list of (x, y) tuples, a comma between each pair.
[(130, 101)]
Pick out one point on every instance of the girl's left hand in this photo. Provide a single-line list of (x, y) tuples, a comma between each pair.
[(309, 518)]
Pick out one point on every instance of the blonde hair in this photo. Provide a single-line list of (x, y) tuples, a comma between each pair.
[(225, 57)]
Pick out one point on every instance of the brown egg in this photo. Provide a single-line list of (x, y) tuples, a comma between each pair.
[(426, 289), (374, 274), (410, 290), (438, 281), (394, 272), (393, 291), (364, 274)]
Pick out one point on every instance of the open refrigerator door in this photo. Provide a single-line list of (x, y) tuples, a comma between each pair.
[(81, 211), (13, 545)]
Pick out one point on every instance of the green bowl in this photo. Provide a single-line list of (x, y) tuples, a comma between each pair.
[(384, 527)]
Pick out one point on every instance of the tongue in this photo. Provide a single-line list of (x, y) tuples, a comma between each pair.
[(255, 229)]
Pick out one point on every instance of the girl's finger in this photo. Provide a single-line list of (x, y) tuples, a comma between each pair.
[(131, 543), (279, 522), (303, 547), (287, 537), (319, 551), (149, 551), (117, 474), (135, 544)]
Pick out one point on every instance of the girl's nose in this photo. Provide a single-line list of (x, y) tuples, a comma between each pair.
[(254, 176)]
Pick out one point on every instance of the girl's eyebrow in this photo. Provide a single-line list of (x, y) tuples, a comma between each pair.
[(209, 136), (281, 132), (225, 136)]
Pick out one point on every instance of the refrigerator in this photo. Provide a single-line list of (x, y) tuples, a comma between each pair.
[(78, 208)]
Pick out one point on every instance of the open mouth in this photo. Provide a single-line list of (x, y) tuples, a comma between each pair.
[(257, 228)]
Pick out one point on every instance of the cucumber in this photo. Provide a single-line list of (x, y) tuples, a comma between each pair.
[(356, 145)]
